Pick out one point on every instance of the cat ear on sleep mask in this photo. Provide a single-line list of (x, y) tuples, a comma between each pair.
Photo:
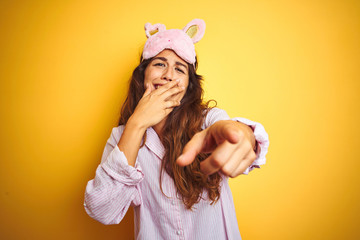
[(195, 29)]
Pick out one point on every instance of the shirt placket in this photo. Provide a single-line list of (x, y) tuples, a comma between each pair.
[(176, 204)]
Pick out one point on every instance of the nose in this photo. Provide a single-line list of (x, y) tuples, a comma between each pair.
[(168, 74)]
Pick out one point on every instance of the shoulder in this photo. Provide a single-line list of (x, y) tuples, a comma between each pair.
[(213, 115)]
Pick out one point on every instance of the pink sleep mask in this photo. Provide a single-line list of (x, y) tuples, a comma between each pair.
[(180, 41)]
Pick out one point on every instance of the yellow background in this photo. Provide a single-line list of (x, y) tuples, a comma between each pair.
[(291, 65)]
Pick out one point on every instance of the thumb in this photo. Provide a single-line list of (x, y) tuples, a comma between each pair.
[(192, 149), (225, 130)]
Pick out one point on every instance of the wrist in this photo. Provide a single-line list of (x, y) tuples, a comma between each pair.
[(136, 125)]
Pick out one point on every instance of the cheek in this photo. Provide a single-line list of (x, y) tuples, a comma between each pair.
[(151, 74), (184, 82), (145, 81), (147, 78)]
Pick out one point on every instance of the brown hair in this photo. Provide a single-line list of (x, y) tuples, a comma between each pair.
[(181, 125)]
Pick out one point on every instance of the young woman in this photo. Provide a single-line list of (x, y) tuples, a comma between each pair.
[(171, 155)]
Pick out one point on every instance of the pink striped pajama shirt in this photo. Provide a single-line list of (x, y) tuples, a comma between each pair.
[(117, 186)]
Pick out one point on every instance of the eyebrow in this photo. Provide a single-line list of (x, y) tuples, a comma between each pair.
[(177, 63)]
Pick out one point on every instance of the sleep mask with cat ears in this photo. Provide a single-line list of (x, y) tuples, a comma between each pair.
[(180, 41)]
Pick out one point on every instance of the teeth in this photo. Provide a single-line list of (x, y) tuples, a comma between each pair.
[(156, 86)]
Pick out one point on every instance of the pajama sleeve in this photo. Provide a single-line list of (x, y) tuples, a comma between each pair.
[(262, 138), (109, 195)]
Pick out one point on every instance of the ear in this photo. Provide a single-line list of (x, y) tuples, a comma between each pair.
[(195, 29), (153, 29)]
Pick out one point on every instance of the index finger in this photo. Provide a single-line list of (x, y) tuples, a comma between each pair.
[(167, 86), (191, 149)]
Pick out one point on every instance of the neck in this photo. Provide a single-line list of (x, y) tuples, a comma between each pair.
[(159, 127)]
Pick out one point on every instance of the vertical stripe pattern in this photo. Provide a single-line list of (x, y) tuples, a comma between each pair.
[(117, 186)]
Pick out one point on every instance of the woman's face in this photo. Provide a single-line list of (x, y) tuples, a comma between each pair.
[(167, 66)]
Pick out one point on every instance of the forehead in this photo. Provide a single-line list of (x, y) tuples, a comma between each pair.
[(170, 55)]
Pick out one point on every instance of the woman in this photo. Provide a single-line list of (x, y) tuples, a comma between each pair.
[(171, 156)]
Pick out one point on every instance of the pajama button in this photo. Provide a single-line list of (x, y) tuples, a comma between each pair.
[(178, 232), (173, 202)]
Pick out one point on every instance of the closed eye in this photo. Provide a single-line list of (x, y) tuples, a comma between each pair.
[(179, 70), (159, 64)]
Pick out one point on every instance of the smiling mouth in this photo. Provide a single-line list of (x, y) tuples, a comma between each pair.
[(157, 86)]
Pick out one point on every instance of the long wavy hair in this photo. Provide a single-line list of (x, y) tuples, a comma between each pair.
[(181, 125)]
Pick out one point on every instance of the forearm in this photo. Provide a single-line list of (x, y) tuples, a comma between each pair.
[(100, 194), (130, 140)]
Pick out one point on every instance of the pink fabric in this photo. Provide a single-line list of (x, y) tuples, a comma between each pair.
[(174, 39), (117, 186)]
